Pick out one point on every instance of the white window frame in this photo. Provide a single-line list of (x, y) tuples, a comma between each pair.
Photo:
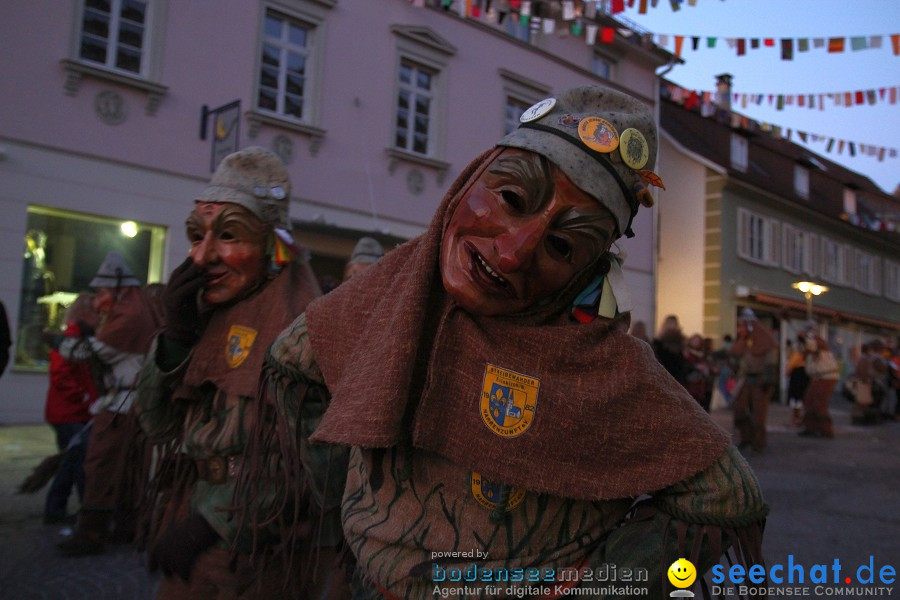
[(740, 152), (868, 273), (415, 93), (424, 49), (801, 181), (757, 238), (285, 50), (148, 42), (603, 65), (310, 14), (519, 91), (849, 201), (832, 261), (892, 280), (799, 250), (145, 81)]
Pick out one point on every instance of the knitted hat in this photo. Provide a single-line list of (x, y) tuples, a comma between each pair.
[(113, 273), (367, 251), (256, 179), (603, 140)]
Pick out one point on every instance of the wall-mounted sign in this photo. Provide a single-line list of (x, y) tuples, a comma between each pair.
[(226, 121)]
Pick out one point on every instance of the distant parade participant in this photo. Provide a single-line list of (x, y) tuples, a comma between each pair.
[(823, 371), (495, 408), (117, 351), (757, 377), (242, 283), (365, 254)]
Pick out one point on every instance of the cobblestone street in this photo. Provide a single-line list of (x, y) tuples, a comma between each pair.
[(829, 499)]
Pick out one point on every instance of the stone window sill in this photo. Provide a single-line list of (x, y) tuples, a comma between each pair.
[(76, 71), (257, 119), (395, 156)]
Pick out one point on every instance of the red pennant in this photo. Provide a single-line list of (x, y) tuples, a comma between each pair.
[(836, 44), (618, 6), (607, 35), (769, 42)]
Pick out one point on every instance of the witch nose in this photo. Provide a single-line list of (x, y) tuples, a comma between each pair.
[(516, 247), (204, 252)]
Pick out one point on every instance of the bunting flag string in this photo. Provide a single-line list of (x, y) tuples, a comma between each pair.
[(579, 18), (789, 47), (817, 100), (694, 99)]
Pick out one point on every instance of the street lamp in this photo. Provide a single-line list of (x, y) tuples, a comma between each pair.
[(809, 289)]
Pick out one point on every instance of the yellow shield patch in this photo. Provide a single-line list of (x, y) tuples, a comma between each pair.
[(237, 348), (508, 401), (487, 493)]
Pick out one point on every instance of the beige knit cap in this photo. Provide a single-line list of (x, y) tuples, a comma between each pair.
[(256, 179), (605, 141)]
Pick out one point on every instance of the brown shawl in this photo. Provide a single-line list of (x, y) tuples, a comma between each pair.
[(132, 321), (232, 348), (403, 361)]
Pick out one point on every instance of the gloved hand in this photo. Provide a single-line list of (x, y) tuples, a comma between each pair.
[(180, 302), (178, 549)]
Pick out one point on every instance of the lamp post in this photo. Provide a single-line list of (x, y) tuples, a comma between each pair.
[(809, 289)]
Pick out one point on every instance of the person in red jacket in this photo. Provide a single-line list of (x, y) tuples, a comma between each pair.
[(69, 397)]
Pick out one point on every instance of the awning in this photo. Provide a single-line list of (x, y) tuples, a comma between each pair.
[(824, 311)]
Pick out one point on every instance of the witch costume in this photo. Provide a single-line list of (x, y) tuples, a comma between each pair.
[(495, 444)]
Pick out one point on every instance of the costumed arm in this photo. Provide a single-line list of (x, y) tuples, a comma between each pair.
[(697, 519), (159, 417), (289, 486)]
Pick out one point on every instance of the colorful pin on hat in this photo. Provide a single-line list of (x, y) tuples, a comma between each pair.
[(538, 110), (598, 134), (633, 148)]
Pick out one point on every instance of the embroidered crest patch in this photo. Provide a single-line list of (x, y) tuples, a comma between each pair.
[(508, 401), (487, 493), (237, 348)]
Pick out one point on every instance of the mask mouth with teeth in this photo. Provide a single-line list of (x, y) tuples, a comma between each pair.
[(519, 234)]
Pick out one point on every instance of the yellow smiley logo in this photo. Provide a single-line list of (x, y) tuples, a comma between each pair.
[(682, 573)]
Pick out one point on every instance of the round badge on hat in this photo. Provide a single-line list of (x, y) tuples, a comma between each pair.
[(598, 134), (538, 110), (633, 148)]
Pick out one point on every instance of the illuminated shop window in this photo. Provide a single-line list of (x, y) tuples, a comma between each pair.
[(62, 251)]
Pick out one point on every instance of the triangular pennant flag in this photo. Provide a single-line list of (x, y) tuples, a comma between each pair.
[(895, 42), (860, 98), (803, 45), (892, 96), (840, 146), (818, 42), (642, 7), (875, 42), (802, 135), (836, 44), (590, 35), (769, 42), (710, 42), (754, 43), (617, 6), (663, 40), (549, 26), (848, 99), (568, 10), (675, 5), (852, 148), (780, 105), (679, 41), (801, 100), (741, 49), (731, 42), (870, 96), (695, 42)]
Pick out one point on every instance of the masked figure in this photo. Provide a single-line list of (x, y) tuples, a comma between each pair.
[(495, 408), (242, 283)]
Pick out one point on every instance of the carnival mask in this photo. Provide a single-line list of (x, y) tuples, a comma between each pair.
[(228, 242), (520, 233)]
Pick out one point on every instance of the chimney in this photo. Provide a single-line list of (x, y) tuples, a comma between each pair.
[(723, 91)]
